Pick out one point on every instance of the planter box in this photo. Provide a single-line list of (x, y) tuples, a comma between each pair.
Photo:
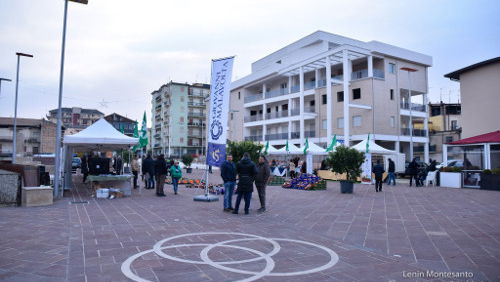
[(37, 196), (346, 187), (450, 179), (490, 181)]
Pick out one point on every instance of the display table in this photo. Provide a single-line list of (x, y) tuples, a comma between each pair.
[(112, 181)]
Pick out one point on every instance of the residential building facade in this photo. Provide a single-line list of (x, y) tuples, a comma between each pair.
[(34, 136), (480, 97), (75, 119), (179, 119), (121, 123), (324, 85)]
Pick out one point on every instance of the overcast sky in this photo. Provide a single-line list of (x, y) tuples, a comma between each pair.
[(119, 51)]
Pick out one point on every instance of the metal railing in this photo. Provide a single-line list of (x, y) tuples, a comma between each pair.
[(295, 89), (253, 118), (276, 136), (279, 114), (322, 83), (359, 74), (309, 85), (378, 73), (195, 114), (295, 112), (295, 135), (414, 107), (416, 132), (196, 104), (310, 109), (276, 92), (338, 77), (253, 98), (253, 138), (310, 133)]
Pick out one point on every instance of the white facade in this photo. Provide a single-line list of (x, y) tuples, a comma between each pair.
[(300, 91)]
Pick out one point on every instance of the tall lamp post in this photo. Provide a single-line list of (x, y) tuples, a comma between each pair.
[(409, 70), (14, 134), (3, 79), (59, 111)]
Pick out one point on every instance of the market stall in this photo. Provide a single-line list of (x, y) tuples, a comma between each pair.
[(100, 136)]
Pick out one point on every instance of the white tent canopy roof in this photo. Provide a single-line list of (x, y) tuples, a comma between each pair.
[(271, 150), (373, 148), (292, 150), (314, 149), (100, 136)]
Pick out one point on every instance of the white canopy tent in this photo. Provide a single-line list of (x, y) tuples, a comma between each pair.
[(315, 150), (373, 148), (100, 136), (270, 150), (292, 150)]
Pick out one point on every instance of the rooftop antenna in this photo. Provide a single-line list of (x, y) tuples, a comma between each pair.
[(441, 95)]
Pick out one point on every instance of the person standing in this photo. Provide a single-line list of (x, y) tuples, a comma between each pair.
[(392, 172), (246, 172), (148, 170), (176, 173), (378, 170), (228, 174), (118, 165), (413, 171), (85, 167), (135, 169), (161, 174), (291, 168), (263, 173)]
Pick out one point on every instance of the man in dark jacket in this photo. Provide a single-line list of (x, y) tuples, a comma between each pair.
[(413, 171), (148, 169), (228, 174), (161, 174), (391, 171), (263, 173), (246, 171), (378, 170)]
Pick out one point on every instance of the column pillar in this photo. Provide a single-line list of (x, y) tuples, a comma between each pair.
[(264, 132), (289, 84), (370, 66), (263, 91), (445, 153), (316, 78), (289, 129), (486, 158), (426, 129), (301, 81), (346, 76), (329, 115), (396, 147)]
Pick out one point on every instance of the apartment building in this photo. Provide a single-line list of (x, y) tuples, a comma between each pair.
[(75, 119), (121, 123), (179, 119), (34, 136), (480, 97), (325, 84)]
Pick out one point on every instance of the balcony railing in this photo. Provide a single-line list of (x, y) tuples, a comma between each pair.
[(253, 118), (414, 107), (295, 134), (295, 89), (378, 73), (195, 124), (195, 114), (338, 77), (310, 109), (309, 85), (276, 92), (310, 133), (322, 83), (416, 132), (280, 114), (253, 138), (295, 112), (196, 104), (253, 98), (276, 136), (359, 74)]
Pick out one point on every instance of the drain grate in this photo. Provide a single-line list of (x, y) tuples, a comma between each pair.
[(79, 202)]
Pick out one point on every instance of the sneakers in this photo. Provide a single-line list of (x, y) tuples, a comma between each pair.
[(227, 210), (261, 209), (247, 212), (235, 212), (161, 195)]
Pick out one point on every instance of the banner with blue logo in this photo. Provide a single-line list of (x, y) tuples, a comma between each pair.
[(219, 110)]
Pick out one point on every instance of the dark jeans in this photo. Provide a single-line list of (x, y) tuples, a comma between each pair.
[(175, 183), (228, 194), (413, 176), (85, 174), (150, 181), (378, 183), (135, 173), (247, 196), (392, 178), (262, 195)]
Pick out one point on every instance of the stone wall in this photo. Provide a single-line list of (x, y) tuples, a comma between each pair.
[(9, 187)]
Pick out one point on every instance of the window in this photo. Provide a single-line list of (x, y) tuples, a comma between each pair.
[(392, 68), (340, 122), (340, 96), (448, 139), (284, 107), (283, 85), (253, 113), (393, 121), (435, 111), (323, 124), (356, 121), (323, 99), (356, 93), (392, 94), (312, 103), (232, 116), (268, 110), (239, 95), (277, 108), (454, 125)]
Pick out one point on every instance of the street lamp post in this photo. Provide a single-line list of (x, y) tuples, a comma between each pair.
[(3, 79), (59, 111), (409, 70), (14, 134)]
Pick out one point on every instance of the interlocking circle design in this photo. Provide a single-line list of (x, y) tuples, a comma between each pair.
[(159, 248)]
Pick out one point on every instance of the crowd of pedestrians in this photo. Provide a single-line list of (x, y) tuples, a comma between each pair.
[(155, 171)]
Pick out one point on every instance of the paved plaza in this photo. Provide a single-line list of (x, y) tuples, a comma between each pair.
[(401, 234)]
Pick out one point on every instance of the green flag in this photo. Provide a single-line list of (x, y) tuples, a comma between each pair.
[(143, 139), (368, 143), (306, 146), (286, 146), (136, 135), (266, 148), (332, 145)]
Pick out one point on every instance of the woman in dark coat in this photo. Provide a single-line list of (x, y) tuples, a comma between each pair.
[(413, 171), (246, 172)]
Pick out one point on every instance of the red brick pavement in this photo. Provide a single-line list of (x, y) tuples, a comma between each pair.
[(377, 236)]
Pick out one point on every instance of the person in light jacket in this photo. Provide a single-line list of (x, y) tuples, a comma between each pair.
[(246, 173), (176, 173), (261, 179), (135, 169)]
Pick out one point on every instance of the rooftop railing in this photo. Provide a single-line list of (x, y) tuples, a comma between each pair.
[(414, 107), (416, 132)]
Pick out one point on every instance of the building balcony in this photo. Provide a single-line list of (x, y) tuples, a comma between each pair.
[(420, 149), (191, 114), (295, 89), (416, 132), (280, 114), (309, 85), (192, 104), (322, 83), (414, 107), (195, 134), (276, 136), (310, 134), (253, 98), (276, 92), (295, 135), (294, 112), (195, 124), (254, 138), (310, 109), (253, 118), (32, 140)]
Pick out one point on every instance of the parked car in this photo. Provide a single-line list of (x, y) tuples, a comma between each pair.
[(445, 164), (76, 163)]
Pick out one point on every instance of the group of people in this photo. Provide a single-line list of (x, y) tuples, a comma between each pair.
[(246, 172), (155, 171), (416, 172)]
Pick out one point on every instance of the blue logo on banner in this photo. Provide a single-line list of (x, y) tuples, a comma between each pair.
[(216, 129), (216, 154)]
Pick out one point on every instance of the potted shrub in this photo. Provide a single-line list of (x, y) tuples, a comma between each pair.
[(490, 179), (346, 160), (450, 177), (237, 149), (187, 159)]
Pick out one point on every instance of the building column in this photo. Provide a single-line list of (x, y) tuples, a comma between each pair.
[(289, 84), (329, 115), (346, 76), (370, 66), (396, 147), (289, 129), (263, 91), (486, 157), (316, 78), (426, 129), (445, 153), (264, 132), (301, 81), (426, 152)]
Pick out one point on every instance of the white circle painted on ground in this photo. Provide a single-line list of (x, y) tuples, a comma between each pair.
[(222, 265)]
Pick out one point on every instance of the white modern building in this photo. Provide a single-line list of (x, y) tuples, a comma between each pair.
[(300, 91)]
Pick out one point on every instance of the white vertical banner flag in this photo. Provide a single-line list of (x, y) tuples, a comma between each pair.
[(219, 110), (366, 169)]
